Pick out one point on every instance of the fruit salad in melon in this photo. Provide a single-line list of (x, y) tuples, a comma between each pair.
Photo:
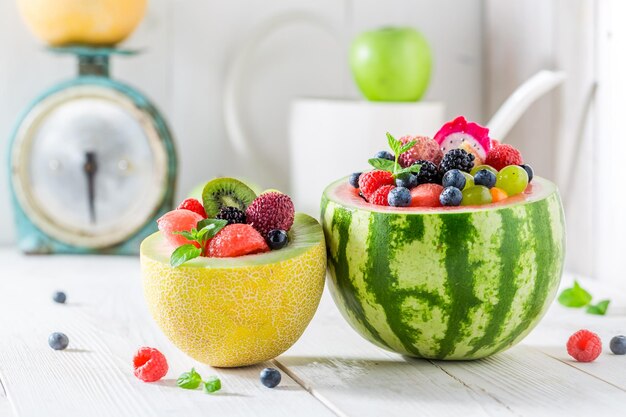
[(444, 256), (234, 280)]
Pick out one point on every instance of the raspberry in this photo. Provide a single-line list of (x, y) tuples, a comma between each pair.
[(372, 181), (425, 149), (380, 196), (150, 365), (503, 155), (584, 346), (194, 205), (426, 195), (178, 221), (271, 211), (237, 240)]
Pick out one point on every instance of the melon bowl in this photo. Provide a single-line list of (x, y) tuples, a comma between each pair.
[(237, 311), (454, 283)]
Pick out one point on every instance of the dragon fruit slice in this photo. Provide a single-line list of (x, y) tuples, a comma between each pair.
[(471, 137)]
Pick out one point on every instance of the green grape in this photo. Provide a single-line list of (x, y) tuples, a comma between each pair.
[(469, 180), (487, 167), (513, 179), (476, 196)]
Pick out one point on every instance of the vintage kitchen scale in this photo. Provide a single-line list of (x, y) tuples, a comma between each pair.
[(92, 164)]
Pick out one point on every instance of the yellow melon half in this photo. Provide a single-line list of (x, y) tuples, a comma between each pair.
[(237, 311), (93, 22)]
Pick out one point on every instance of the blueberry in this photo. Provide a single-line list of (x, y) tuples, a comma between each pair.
[(454, 178), (529, 171), (385, 155), (59, 297), (354, 179), (270, 377), (277, 239), (407, 180), (399, 197), (450, 196), (486, 178), (618, 345), (58, 341)]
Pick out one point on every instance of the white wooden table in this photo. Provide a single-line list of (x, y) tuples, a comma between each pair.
[(331, 371)]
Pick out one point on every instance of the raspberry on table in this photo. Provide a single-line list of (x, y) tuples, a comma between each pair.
[(149, 364), (380, 196), (584, 345), (371, 181), (194, 205)]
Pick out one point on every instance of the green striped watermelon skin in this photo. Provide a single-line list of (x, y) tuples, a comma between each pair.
[(445, 284)]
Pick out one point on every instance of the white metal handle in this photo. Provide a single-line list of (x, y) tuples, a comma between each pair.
[(512, 109)]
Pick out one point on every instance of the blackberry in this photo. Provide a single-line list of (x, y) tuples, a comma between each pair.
[(232, 215), (457, 159), (429, 173)]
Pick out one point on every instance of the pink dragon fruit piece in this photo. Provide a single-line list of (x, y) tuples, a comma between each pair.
[(471, 137)]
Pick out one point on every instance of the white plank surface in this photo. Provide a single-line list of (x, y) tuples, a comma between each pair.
[(329, 371)]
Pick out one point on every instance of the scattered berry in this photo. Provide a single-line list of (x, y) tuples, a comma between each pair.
[(373, 180), (425, 148), (277, 239), (454, 178), (178, 221), (149, 364), (380, 196), (237, 240), (503, 155), (271, 211), (529, 171), (485, 177), (584, 346), (618, 345), (59, 297), (399, 197), (354, 179), (429, 173), (58, 341), (270, 377), (426, 195), (497, 194), (232, 215), (194, 205), (450, 196), (385, 155), (406, 180), (457, 159), (212, 384)]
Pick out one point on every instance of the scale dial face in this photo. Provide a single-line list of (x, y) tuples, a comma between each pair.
[(89, 168)]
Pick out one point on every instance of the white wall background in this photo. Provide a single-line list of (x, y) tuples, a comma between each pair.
[(190, 44)]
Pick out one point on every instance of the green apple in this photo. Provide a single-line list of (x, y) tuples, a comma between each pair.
[(391, 64)]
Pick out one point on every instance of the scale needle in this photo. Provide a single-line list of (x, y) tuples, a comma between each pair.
[(90, 168)]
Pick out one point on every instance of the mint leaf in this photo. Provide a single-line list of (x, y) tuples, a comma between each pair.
[(407, 146), (208, 228), (574, 297), (413, 168), (213, 384), (599, 309), (189, 380), (383, 164), (189, 235), (183, 254), (394, 144)]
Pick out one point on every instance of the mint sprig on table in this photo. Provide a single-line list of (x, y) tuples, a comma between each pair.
[(578, 297), (189, 380), (204, 231), (393, 166)]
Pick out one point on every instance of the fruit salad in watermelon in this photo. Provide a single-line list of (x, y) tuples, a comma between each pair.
[(450, 248), (235, 279)]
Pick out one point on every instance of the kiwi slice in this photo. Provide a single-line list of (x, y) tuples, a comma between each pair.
[(222, 192)]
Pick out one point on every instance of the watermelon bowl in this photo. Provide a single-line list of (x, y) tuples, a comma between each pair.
[(454, 283), (230, 312)]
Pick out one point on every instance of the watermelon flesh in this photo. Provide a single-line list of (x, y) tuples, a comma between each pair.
[(445, 282)]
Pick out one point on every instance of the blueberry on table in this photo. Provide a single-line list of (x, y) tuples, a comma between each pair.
[(270, 377), (58, 341), (59, 297), (618, 345)]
